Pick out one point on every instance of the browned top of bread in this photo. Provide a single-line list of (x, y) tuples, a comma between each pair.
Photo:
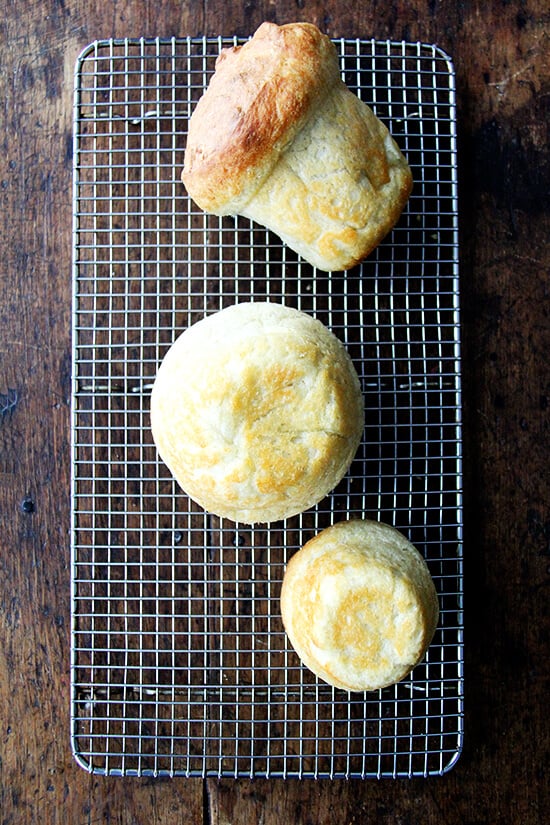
[(258, 98)]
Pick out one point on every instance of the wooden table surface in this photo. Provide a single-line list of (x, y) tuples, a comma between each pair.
[(500, 50)]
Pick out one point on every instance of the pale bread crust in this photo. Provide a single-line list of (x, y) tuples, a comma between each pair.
[(359, 605), (257, 410), (279, 138)]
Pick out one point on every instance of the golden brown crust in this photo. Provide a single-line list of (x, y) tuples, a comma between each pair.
[(258, 98), (258, 412), (359, 605)]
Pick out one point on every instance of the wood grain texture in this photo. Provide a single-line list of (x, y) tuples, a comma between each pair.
[(503, 91)]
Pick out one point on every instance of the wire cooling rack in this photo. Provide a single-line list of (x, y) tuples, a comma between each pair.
[(180, 665)]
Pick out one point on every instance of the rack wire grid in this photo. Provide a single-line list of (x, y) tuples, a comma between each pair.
[(180, 664)]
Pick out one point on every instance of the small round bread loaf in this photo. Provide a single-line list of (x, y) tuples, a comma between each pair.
[(258, 412), (359, 605)]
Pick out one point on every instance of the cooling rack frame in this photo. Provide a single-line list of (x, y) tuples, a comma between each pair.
[(179, 663)]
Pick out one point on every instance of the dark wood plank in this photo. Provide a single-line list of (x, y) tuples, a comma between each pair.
[(39, 780), (500, 51)]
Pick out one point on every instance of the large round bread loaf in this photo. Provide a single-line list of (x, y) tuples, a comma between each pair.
[(359, 605), (258, 412)]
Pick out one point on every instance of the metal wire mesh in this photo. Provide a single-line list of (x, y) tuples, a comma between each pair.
[(179, 660)]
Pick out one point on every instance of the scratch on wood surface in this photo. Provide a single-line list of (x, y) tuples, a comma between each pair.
[(501, 84), (39, 347), (8, 403)]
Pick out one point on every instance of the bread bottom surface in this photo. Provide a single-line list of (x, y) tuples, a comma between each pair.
[(339, 187), (359, 605)]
